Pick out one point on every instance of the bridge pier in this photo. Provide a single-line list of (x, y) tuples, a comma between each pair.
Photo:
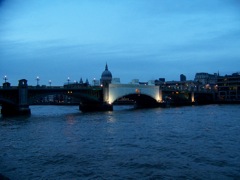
[(22, 106), (12, 110)]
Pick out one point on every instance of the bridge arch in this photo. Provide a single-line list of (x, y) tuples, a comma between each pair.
[(117, 91), (81, 95), (7, 101)]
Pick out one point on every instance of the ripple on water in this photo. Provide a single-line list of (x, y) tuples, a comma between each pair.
[(199, 142)]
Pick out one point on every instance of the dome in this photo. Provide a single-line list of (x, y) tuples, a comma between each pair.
[(106, 75)]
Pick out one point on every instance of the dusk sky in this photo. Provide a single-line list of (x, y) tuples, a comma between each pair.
[(144, 39)]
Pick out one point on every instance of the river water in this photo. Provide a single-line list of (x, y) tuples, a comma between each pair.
[(60, 142)]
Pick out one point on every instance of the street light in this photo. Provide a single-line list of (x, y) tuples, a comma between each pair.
[(68, 80), (5, 78), (37, 80), (50, 82)]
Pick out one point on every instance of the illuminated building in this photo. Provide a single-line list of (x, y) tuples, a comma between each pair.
[(229, 87)]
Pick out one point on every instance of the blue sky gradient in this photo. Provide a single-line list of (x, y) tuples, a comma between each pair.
[(145, 39)]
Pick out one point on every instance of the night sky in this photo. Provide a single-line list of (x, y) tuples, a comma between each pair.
[(144, 39)]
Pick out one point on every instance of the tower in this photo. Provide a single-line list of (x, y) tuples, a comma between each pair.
[(106, 79)]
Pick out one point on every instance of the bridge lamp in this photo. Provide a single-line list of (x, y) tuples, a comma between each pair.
[(68, 80), (37, 80), (5, 78), (138, 91)]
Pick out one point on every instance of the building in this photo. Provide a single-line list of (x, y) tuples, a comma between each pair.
[(151, 82), (206, 78), (180, 85), (183, 77), (143, 83), (134, 81), (106, 77), (160, 82), (116, 81), (229, 87), (96, 82), (206, 81)]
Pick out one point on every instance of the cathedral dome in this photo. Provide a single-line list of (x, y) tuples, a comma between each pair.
[(106, 75)]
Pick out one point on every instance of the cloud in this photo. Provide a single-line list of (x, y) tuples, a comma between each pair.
[(137, 38)]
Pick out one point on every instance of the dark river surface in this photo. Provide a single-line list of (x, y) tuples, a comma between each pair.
[(60, 142)]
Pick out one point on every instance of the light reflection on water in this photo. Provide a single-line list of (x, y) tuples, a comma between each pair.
[(59, 142)]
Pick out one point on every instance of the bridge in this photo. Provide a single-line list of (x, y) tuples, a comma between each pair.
[(16, 100)]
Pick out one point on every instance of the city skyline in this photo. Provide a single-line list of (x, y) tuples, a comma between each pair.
[(146, 40), (204, 76)]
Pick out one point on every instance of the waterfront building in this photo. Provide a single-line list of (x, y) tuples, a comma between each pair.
[(206, 81), (180, 85), (229, 87), (206, 78), (183, 85)]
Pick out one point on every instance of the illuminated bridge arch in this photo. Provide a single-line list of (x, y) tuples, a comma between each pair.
[(117, 91)]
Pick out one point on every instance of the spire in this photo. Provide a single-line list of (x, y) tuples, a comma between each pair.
[(106, 67), (87, 81), (81, 81)]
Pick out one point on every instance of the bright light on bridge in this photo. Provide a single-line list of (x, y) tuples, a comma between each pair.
[(120, 90), (110, 99)]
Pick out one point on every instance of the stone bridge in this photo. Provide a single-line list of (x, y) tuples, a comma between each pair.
[(16, 100)]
